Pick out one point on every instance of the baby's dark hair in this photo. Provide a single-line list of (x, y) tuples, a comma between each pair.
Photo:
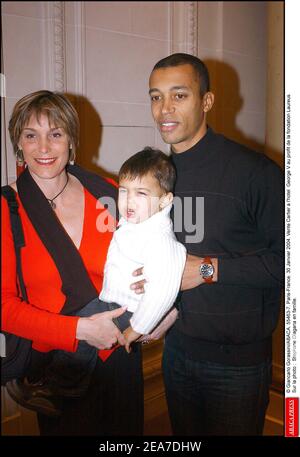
[(151, 161)]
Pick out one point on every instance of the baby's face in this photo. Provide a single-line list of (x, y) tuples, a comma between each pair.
[(139, 198)]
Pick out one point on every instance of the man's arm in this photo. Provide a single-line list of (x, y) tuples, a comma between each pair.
[(263, 269), (265, 205), (191, 276)]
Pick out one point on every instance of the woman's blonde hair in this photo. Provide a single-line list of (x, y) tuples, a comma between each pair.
[(55, 106)]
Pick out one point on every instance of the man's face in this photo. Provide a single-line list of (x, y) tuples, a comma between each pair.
[(177, 106)]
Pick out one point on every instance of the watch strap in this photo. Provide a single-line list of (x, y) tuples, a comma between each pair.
[(208, 280)]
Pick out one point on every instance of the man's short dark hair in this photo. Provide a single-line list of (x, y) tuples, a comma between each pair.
[(152, 161), (180, 58)]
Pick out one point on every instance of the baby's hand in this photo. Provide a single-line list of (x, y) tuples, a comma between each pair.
[(130, 336)]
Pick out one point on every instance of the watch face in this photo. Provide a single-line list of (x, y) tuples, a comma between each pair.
[(206, 270)]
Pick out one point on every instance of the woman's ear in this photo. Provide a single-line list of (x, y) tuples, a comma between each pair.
[(165, 200)]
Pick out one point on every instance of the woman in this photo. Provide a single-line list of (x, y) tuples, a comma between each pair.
[(62, 264)]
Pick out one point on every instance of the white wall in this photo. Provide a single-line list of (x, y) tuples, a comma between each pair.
[(118, 43), (23, 25), (232, 40), (101, 53)]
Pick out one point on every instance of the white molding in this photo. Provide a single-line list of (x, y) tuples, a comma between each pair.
[(54, 46), (4, 132), (59, 46), (183, 24), (170, 27), (177, 33), (4, 169), (192, 28), (80, 48), (48, 44)]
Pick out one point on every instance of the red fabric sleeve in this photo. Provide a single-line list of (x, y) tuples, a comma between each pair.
[(47, 329)]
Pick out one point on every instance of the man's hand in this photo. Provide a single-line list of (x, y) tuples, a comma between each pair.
[(191, 276), (130, 336), (138, 286)]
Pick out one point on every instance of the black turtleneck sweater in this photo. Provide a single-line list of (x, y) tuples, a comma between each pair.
[(231, 321)]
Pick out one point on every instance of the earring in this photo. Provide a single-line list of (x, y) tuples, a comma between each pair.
[(20, 158), (20, 162), (72, 155)]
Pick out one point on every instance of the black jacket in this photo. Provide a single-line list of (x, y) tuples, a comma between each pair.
[(232, 320)]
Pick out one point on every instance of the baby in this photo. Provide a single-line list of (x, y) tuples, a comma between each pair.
[(144, 238)]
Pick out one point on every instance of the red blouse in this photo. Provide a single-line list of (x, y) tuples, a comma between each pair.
[(40, 320)]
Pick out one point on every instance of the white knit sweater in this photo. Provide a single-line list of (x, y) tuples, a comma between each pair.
[(150, 244)]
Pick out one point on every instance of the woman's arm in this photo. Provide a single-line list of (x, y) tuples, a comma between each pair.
[(49, 330), (24, 319)]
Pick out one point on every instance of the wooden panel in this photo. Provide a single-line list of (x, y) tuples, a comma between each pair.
[(274, 424), (156, 411)]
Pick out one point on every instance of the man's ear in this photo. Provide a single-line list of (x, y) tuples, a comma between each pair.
[(165, 200), (208, 101)]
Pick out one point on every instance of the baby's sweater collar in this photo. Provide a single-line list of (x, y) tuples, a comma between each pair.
[(160, 220)]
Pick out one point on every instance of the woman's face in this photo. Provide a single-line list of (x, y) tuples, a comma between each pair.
[(45, 147)]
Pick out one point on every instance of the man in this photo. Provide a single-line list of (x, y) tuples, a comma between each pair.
[(217, 357)]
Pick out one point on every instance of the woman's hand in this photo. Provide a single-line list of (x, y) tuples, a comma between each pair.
[(99, 330), (161, 329), (138, 286)]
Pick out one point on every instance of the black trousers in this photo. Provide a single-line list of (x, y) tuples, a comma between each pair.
[(113, 404), (73, 370), (212, 399)]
